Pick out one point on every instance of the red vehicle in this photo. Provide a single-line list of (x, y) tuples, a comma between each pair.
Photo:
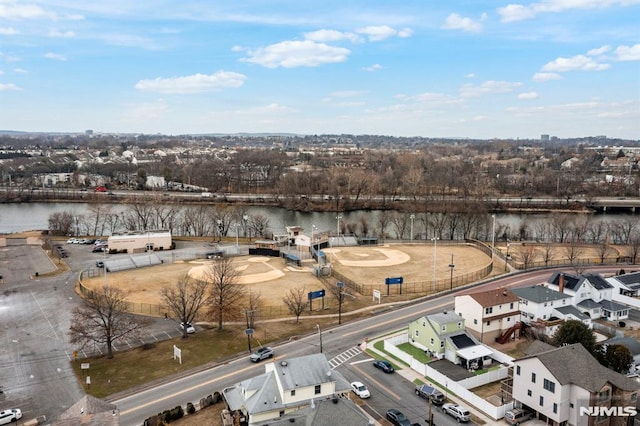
[(100, 189)]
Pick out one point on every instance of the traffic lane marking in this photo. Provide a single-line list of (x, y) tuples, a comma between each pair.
[(380, 385)]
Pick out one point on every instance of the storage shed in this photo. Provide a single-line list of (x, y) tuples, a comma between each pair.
[(140, 241)]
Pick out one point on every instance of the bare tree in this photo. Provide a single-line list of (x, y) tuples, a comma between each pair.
[(604, 251), (548, 252), (527, 255), (102, 319), (573, 251), (634, 247), (184, 299), (253, 307), (226, 292), (296, 301)]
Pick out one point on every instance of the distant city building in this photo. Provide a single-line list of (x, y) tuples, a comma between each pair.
[(544, 138)]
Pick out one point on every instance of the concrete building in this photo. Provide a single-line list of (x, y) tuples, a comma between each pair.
[(140, 241)]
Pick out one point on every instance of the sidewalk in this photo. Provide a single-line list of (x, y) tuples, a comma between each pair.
[(413, 375)]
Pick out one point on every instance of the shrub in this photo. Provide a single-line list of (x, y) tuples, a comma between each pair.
[(190, 408), (148, 346)]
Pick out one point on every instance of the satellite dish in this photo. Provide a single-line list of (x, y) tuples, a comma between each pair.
[(329, 373)]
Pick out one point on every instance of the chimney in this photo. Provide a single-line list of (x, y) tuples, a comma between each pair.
[(561, 283)]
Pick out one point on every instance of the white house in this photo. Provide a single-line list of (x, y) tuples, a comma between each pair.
[(590, 293), (489, 314), (285, 387), (540, 307), (556, 383)]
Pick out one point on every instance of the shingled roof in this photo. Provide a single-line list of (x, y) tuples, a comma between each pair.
[(493, 297), (573, 364)]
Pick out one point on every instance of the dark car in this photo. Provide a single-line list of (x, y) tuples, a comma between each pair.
[(429, 392), (397, 418), (99, 264), (383, 365)]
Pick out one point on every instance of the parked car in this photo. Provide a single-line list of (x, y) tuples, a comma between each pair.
[(190, 328), (517, 416), (383, 365), (72, 241), (397, 418), (10, 416), (262, 353), (360, 389), (456, 411), (429, 392), (99, 264), (99, 248), (100, 189)]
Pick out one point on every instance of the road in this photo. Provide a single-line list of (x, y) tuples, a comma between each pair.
[(390, 391)]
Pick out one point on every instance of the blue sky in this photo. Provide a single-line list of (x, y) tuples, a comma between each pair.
[(479, 69)]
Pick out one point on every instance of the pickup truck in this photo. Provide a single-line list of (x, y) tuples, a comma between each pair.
[(429, 392)]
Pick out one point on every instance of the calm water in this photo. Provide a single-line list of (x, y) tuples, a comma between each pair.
[(35, 216)]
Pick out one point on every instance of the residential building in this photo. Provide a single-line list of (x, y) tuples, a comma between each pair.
[(545, 309), (489, 314), (560, 383), (285, 388), (590, 293), (443, 336)]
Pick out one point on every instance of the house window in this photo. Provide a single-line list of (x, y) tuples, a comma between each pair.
[(459, 325), (542, 401), (533, 377), (293, 392), (488, 322), (544, 316), (571, 405), (604, 395), (555, 408), (417, 333), (545, 303), (528, 392), (518, 370), (549, 385), (564, 301), (509, 319), (317, 389), (511, 305), (431, 341), (442, 343), (488, 310), (475, 320), (634, 397), (424, 323), (444, 328)]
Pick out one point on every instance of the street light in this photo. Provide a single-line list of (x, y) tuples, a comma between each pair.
[(245, 219), (507, 258), (413, 216), (340, 286), (320, 334), (493, 236), (451, 265), (338, 219), (435, 247), (237, 225)]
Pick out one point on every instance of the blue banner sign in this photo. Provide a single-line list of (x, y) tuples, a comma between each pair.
[(397, 280), (315, 294)]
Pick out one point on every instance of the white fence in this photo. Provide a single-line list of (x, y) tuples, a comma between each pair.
[(462, 388)]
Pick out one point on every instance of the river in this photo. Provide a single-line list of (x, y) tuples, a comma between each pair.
[(35, 216)]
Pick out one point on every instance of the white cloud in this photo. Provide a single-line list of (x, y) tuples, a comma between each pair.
[(378, 33), (528, 95), (293, 54), (405, 32), (374, 67), (346, 93), (575, 63), (20, 70), (324, 36), (61, 34), (480, 118), (146, 111), (519, 12), (470, 75), (55, 56), (599, 51), (546, 76), (5, 87), (196, 83), (12, 10), (628, 53), (8, 31), (457, 22), (488, 87)]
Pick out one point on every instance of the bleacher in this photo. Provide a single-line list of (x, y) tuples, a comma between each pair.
[(122, 263)]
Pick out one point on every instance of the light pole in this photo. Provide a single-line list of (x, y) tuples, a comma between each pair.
[(493, 236), (237, 225), (413, 216), (340, 286), (338, 219), (313, 227), (320, 334), (507, 258), (435, 247), (451, 265), (220, 228), (245, 219)]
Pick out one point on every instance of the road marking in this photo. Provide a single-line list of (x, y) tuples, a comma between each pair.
[(207, 383), (345, 356), (386, 389)]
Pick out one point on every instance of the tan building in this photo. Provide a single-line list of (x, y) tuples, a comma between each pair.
[(140, 241)]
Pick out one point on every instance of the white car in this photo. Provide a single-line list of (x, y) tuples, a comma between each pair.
[(456, 411), (360, 389), (190, 328), (10, 416), (72, 241)]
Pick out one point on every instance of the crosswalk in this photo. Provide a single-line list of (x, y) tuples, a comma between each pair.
[(345, 356)]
